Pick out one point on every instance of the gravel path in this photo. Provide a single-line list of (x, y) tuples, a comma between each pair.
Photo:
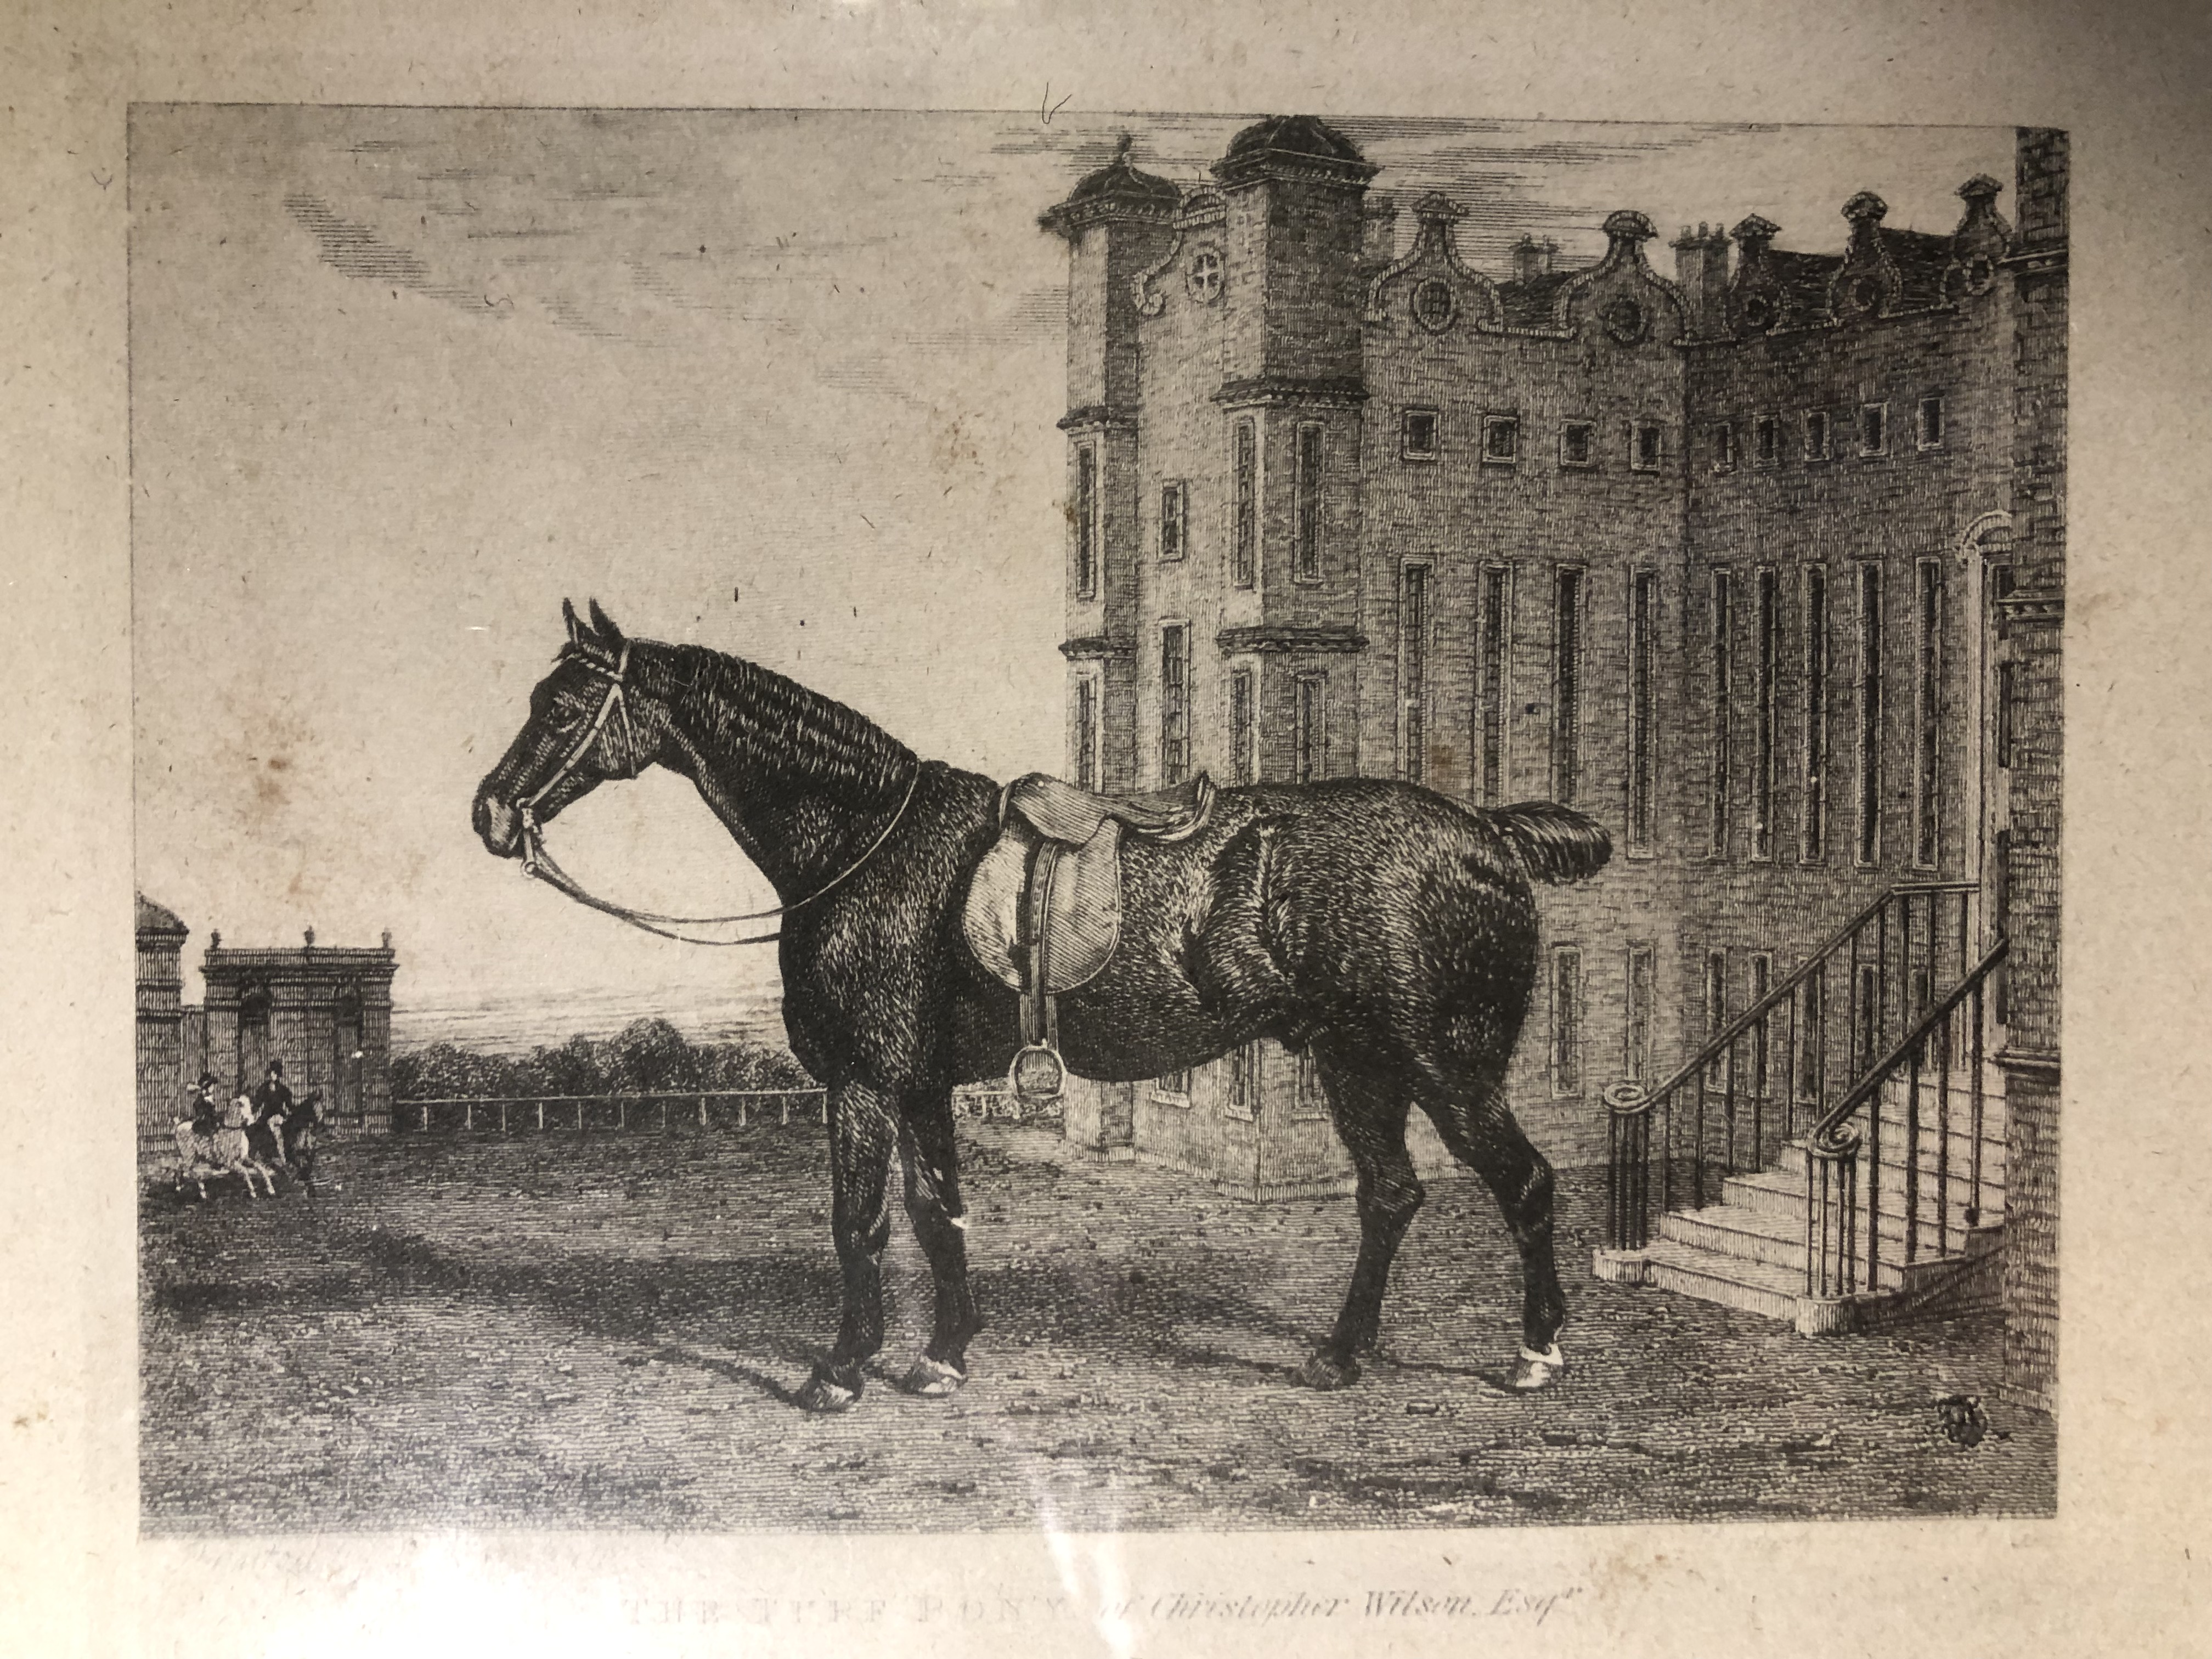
[(551, 1332)]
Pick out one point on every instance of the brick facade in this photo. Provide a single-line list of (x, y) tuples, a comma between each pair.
[(1308, 431), (2031, 615)]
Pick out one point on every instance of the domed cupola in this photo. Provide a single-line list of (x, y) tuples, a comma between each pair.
[(1118, 190), (1302, 143)]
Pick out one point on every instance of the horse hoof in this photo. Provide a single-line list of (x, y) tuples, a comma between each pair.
[(933, 1379), (1532, 1370), (823, 1393), (1326, 1371)]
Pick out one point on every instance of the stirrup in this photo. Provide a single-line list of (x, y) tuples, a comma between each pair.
[(1037, 1078)]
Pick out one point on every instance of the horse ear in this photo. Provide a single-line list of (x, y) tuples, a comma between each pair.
[(568, 616), (610, 636)]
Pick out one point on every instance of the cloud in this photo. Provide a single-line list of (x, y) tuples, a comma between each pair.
[(357, 250)]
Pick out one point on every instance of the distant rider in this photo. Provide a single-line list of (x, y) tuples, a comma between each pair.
[(271, 1100)]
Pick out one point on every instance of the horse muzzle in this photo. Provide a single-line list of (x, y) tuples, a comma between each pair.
[(497, 824)]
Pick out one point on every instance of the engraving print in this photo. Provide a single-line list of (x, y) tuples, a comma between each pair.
[(928, 821)]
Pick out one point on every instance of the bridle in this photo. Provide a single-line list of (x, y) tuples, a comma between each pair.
[(539, 864)]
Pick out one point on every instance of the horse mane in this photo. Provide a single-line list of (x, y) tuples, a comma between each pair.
[(782, 724)]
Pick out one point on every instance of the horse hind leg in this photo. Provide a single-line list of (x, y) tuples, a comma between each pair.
[(1371, 1120), (1479, 1130)]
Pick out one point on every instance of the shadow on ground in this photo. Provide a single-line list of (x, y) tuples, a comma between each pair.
[(558, 1331)]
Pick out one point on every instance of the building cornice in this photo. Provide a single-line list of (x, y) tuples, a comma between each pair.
[(2025, 1063), (2038, 260), (1099, 417), (2031, 608), (1298, 638), (1331, 392), (1096, 648)]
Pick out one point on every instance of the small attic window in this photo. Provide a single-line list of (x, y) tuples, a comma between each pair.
[(1434, 304), (1931, 421), (1816, 435), (1873, 429), (1501, 440), (1418, 434)]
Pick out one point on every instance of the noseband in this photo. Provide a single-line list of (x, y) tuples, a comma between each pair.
[(539, 864)]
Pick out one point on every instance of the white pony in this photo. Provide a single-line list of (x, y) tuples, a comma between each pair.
[(223, 1152)]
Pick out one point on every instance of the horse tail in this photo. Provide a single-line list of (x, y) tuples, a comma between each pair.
[(1553, 844)]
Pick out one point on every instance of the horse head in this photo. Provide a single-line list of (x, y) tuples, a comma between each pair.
[(599, 715)]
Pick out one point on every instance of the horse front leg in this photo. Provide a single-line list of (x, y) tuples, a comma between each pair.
[(862, 1130), (931, 1161)]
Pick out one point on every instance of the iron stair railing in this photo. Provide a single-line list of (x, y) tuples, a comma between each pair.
[(1844, 1154), (1731, 1107)]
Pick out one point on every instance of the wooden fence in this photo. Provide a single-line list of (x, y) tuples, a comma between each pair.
[(659, 1110), (656, 1110)]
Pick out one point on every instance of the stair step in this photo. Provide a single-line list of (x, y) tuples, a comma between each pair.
[(1736, 1231), (1756, 1287)]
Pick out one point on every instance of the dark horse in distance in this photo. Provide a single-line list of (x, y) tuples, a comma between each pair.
[(1384, 928)]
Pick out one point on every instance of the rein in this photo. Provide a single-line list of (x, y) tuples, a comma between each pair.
[(539, 864)]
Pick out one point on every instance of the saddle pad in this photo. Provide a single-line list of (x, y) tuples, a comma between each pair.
[(1082, 924)]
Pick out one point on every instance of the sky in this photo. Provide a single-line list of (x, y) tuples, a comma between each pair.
[(781, 383)]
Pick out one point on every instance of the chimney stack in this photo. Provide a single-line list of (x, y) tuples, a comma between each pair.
[(1533, 258), (1701, 266)]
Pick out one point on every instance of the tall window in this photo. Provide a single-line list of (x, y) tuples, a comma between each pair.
[(1173, 1088), (1724, 446), (1566, 1020), (1723, 668), (1309, 727), (1767, 435), (1813, 816), (1306, 562), (1244, 531), (1086, 732), (1566, 682), (1413, 670), (1309, 1098), (1243, 726), (1647, 446), (1643, 701), (1086, 522), (1762, 708), (1762, 978), (1869, 714), (1715, 992), (1174, 702), (1244, 1081), (1816, 435), (1642, 999), (1493, 631), (1927, 717), (1175, 519)]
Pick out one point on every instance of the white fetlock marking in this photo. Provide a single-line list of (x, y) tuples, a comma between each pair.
[(959, 1221), (1550, 1357)]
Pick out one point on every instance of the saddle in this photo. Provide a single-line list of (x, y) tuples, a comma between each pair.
[(1043, 912)]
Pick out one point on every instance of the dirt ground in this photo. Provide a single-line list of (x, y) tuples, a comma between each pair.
[(600, 1332)]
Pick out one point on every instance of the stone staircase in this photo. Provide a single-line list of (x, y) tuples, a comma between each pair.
[(1749, 1250)]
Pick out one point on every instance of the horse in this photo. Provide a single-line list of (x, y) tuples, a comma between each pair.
[(1385, 930), (227, 1152)]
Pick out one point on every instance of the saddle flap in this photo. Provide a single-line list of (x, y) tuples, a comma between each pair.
[(1082, 918)]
